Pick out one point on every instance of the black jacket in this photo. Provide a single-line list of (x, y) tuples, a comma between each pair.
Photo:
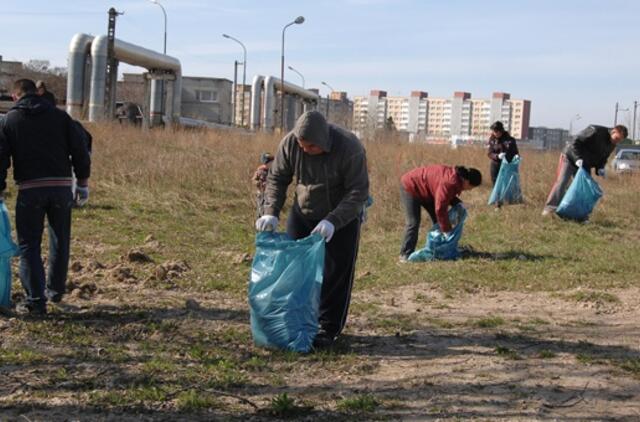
[(593, 146), (41, 142), (506, 143)]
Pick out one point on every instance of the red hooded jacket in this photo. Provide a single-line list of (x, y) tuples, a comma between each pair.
[(438, 185)]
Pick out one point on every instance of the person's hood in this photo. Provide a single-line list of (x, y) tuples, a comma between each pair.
[(313, 127), (32, 104)]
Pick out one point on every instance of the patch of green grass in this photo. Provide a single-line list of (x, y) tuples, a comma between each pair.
[(631, 365), (489, 322), (359, 404), (283, 406), (21, 357), (507, 353), (593, 296), (546, 354), (193, 400)]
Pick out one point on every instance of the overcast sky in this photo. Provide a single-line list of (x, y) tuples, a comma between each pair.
[(566, 56)]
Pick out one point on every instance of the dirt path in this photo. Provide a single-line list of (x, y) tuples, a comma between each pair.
[(420, 354)]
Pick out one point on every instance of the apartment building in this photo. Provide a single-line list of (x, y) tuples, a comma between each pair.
[(460, 116)]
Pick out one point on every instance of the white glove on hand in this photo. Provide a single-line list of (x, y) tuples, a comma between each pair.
[(324, 229), (82, 195), (267, 223), (516, 157), (579, 163), (601, 172), (501, 156)]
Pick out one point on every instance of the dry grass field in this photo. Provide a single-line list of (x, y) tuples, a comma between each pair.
[(538, 321)]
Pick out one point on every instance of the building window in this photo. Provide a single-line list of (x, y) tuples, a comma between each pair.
[(206, 96)]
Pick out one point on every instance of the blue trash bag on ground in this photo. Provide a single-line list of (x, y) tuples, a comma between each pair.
[(507, 188), (581, 197), (439, 246), (284, 290), (8, 249)]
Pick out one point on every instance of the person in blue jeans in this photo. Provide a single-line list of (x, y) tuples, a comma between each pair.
[(44, 146)]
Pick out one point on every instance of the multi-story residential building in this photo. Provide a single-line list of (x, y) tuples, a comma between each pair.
[(460, 116), (549, 138)]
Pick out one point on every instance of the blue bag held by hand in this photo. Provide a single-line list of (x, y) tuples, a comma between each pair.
[(507, 187), (581, 197), (284, 290), (8, 249), (439, 246)]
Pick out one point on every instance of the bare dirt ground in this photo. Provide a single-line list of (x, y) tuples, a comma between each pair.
[(421, 354)]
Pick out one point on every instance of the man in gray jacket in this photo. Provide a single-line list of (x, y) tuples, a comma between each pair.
[(329, 166)]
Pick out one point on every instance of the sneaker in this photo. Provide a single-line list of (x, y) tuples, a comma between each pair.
[(31, 309), (547, 212), (403, 259), (323, 340)]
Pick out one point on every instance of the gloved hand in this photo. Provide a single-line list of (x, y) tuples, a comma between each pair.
[(601, 172), (324, 229), (501, 156), (516, 157), (82, 195), (579, 163), (267, 223)]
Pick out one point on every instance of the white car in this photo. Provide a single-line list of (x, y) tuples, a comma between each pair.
[(626, 161)]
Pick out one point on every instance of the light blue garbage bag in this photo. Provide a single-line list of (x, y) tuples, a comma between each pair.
[(507, 188), (439, 246), (8, 249), (581, 197), (284, 290)]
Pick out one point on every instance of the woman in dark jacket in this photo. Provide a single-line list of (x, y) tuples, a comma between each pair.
[(433, 188), (501, 145)]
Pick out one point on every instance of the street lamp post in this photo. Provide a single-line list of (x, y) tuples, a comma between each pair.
[(244, 77), (633, 126), (299, 20), (574, 118), (328, 96), (299, 74)]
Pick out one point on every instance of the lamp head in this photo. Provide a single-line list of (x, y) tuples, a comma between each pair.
[(299, 20), (224, 35)]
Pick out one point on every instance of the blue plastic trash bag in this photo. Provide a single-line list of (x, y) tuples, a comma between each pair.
[(284, 290), (507, 187), (8, 249), (581, 197), (439, 246)]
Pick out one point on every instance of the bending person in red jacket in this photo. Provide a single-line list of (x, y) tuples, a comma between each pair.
[(433, 188)]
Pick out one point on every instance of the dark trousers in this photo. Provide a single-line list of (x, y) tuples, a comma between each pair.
[(564, 174), (495, 169), (412, 207), (339, 268), (31, 208)]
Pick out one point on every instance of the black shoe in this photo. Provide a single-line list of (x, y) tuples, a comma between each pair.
[(323, 340), (31, 309), (54, 297)]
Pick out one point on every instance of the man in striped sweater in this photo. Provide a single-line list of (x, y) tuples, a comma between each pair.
[(44, 146)]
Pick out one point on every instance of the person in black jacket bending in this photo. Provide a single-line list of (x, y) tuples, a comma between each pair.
[(590, 149), (44, 145), (501, 145)]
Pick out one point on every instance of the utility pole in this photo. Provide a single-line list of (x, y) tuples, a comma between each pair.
[(615, 116), (633, 129), (112, 63), (235, 93)]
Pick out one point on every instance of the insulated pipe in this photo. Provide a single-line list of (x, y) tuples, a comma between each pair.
[(98, 77), (134, 55), (256, 89), (270, 84), (78, 51)]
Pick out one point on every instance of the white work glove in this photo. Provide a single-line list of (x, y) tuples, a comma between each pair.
[(501, 156), (267, 223), (82, 195), (601, 172), (516, 157), (579, 163), (324, 229)]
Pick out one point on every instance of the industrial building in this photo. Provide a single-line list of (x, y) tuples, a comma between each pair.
[(549, 138)]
